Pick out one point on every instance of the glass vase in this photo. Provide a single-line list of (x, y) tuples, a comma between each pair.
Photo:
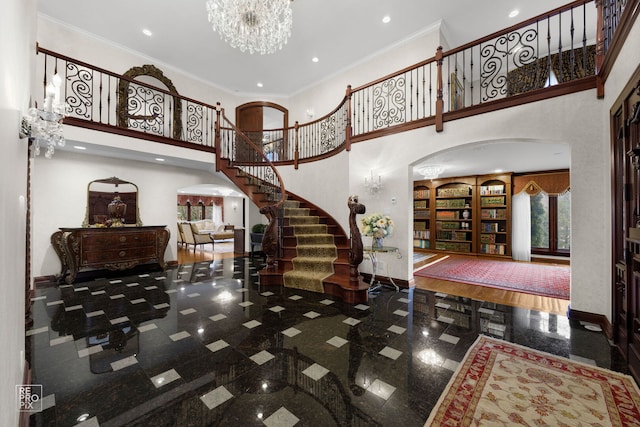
[(376, 243)]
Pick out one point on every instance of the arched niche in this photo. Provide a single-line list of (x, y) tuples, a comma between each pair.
[(145, 109)]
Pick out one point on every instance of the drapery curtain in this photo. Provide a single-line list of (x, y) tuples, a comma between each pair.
[(521, 227)]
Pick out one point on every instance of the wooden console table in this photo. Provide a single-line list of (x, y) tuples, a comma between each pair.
[(117, 248)]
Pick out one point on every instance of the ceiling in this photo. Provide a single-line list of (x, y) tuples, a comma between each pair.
[(340, 33)]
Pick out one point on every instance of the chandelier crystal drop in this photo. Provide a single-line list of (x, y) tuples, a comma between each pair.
[(261, 26)]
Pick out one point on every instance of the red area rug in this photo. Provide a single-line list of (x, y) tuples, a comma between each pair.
[(538, 279), (504, 384)]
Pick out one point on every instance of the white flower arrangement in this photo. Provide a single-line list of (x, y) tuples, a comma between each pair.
[(377, 225)]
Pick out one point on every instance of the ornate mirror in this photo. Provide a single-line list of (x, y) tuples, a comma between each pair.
[(112, 202)]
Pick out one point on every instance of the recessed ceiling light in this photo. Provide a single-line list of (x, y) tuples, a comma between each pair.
[(147, 32), (79, 147), (259, 84), (159, 159), (315, 59), (498, 171), (386, 19), (514, 13)]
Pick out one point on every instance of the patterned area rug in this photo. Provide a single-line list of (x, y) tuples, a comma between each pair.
[(539, 279), (504, 384)]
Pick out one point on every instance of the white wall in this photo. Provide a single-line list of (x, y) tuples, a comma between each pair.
[(59, 197), (17, 31)]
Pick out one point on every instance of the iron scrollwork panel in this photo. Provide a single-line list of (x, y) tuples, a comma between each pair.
[(80, 98), (389, 102), (510, 50)]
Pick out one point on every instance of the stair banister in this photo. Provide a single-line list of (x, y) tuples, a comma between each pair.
[(250, 162)]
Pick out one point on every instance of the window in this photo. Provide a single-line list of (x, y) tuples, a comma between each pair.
[(551, 224)]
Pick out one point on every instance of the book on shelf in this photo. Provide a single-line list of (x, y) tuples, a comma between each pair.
[(422, 214), (492, 249), (450, 203), (421, 234), (493, 214), (446, 225), (447, 214), (420, 204), (490, 227), (421, 194), (487, 238), (492, 201), (421, 243), (453, 191), (419, 225), (487, 190)]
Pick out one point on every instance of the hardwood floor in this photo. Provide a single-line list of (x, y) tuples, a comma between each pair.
[(482, 293), (517, 299)]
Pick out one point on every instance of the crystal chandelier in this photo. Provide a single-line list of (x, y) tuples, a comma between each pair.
[(44, 126), (262, 26)]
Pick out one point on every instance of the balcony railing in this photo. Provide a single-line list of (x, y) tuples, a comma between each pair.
[(553, 54)]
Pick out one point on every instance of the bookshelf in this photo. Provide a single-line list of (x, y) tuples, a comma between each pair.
[(467, 215), (421, 215), (454, 201), (494, 207)]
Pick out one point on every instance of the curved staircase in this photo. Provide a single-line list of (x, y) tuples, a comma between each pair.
[(306, 247)]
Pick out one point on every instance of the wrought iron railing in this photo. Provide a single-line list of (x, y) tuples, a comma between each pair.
[(307, 141), (552, 48), (562, 49), (612, 11), (101, 99)]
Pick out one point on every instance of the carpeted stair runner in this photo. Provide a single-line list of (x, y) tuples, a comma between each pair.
[(315, 250)]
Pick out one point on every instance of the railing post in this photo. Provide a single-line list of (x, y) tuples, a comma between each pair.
[(348, 128), (600, 47), (439, 94), (296, 151), (356, 252), (217, 142)]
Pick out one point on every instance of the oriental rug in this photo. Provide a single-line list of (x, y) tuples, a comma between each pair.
[(503, 384), (538, 279)]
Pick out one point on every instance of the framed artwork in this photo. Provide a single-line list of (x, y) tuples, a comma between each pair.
[(457, 93)]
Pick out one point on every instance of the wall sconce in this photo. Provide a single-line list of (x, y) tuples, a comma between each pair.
[(373, 185), (234, 206), (44, 126), (634, 153)]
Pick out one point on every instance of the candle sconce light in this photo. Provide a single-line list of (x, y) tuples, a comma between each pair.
[(373, 183), (44, 126)]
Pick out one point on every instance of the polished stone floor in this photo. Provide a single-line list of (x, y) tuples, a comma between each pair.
[(203, 345)]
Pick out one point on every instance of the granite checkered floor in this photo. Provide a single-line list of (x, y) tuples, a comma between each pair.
[(204, 345)]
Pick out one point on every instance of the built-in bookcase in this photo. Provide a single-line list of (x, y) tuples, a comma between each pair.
[(421, 215), (470, 215), (454, 202), (494, 206)]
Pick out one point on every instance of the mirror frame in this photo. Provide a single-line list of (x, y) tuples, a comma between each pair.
[(115, 182)]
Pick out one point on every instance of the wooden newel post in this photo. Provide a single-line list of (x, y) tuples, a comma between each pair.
[(356, 253), (270, 238), (439, 93), (216, 141)]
